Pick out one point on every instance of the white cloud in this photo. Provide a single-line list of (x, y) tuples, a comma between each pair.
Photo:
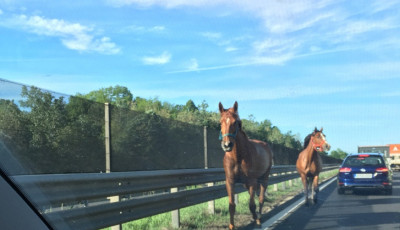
[(354, 28), (162, 59), (142, 29), (72, 35), (211, 35), (295, 28), (230, 49), (193, 66), (157, 28), (167, 4)]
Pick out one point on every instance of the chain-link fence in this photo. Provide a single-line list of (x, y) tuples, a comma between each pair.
[(46, 132)]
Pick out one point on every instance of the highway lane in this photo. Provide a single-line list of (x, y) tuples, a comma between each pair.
[(364, 209)]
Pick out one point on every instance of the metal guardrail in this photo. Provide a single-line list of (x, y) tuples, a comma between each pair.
[(52, 190)]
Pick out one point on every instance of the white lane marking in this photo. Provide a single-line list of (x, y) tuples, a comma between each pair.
[(289, 210)]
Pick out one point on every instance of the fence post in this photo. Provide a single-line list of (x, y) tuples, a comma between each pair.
[(107, 136), (107, 139), (211, 203), (175, 213), (205, 147)]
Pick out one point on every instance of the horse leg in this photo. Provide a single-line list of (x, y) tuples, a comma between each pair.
[(263, 188), (310, 190), (232, 206), (315, 189), (304, 180), (252, 204)]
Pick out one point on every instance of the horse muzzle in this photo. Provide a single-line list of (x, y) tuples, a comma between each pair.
[(227, 146), (323, 148), (327, 147)]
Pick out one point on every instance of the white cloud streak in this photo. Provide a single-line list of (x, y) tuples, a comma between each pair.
[(162, 59), (72, 35), (143, 29)]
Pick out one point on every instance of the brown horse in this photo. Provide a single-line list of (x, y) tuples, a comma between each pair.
[(309, 163), (246, 161)]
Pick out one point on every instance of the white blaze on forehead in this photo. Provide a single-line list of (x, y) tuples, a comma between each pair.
[(228, 121)]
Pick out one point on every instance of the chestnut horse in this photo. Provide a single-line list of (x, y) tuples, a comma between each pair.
[(309, 163), (246, 161)]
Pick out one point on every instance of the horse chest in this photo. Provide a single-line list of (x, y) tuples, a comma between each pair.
[(241, 170)]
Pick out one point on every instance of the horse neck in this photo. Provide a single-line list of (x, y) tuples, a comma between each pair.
[(241, 144), (310, 151)]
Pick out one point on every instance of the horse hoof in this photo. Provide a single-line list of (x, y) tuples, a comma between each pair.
[(258, 222), (231, 227)]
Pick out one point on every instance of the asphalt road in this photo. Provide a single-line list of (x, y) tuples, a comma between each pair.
[(358, 210)]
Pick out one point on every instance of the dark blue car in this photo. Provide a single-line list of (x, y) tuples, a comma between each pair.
[(365, 170)]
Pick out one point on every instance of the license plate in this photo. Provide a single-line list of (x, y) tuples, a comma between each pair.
[(363, 176)]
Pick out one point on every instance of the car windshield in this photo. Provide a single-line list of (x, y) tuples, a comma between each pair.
[(364, 160), (111, 110)]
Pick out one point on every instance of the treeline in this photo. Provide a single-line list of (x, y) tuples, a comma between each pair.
[(47, 134), (192, 114), (50, 134)]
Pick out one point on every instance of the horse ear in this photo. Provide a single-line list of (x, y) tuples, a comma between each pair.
[(315, 130), (221, 107), (235, 107), (321, 129)]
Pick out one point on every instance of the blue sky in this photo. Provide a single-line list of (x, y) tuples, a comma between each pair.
[(299, 64)]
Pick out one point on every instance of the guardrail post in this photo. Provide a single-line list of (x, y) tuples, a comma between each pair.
[(283, 183), (276, 184), (175, 213), (211, 203), (236, 199)]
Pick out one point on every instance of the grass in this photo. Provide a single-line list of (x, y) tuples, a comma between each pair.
[(196, 217)]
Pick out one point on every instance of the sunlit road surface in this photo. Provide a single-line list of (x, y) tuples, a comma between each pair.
[(358, 210)]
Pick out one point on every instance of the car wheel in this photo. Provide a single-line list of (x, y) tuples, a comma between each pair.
[(340, 191)]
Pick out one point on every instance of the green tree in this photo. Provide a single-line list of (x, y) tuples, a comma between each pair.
[(15, 137), (276, 136), (117, 95), (190, 106), (339, 154), (47, 115), (290, 141), (64, 138)]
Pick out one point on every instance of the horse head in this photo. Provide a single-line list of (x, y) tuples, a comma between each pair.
[(230, 125), (318, 141)]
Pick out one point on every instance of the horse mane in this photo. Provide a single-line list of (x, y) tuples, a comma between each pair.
[(307, 140)]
